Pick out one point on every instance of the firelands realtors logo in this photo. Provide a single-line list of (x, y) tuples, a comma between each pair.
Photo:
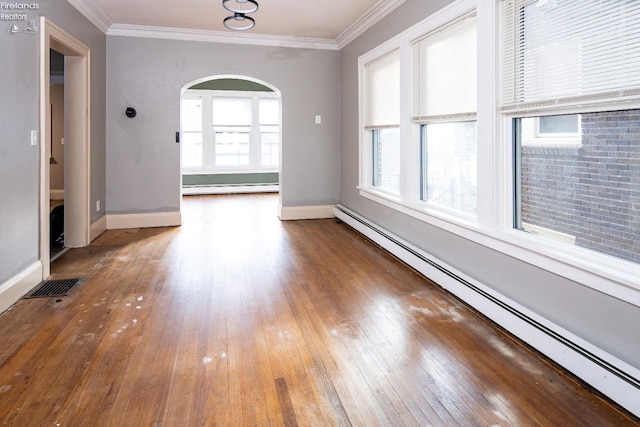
[(16, 11)]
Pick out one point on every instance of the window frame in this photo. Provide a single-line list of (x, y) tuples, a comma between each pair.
[(255, 147), (408, 200), (494, 225)]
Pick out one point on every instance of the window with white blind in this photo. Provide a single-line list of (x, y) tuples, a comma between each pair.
[(445, 104), (229, 131), (382, 121), (518, 129), (569, 53), (571, 73), (418, 106), (445, 73)]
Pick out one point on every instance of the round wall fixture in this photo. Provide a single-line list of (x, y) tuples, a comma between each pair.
[(239, 22), (240, 6), (130, 112)]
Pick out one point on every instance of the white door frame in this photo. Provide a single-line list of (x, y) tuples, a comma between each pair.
[(77, 138)]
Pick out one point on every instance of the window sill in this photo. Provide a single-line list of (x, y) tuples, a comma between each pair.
[(418, 210), (600, 272)]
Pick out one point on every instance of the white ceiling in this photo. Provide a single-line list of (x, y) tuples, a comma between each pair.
[(301, 20)]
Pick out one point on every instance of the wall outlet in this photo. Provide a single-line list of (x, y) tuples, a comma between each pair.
[(98, 206), (318, 119)]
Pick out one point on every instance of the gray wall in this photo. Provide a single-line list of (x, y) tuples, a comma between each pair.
[(143, 160), (596, 317), (19, 113)]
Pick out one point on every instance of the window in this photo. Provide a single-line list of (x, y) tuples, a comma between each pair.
[(224, 130), (529, 148), (566, 53), (386, 159), (418, 103), (232, 120), (576, 173), (382, 121), (567, 124), (554, 130), (192, 135), (445, 106), (584, 197), (449, 175), (269, 119)]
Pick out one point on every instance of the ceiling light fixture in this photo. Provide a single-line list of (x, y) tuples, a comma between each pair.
[(239, 21)]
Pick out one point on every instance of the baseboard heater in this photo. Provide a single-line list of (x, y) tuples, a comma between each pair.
[(607, 374), (230, 188)]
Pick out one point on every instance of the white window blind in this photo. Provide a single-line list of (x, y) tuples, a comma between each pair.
[(383, 92), (445, 72), (567, 52)]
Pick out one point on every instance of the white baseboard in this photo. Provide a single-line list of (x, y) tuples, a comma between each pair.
[(292, 213), (56, 194), (15, 288), (229, 189), (611, 376), (97, 228), (145, 220)]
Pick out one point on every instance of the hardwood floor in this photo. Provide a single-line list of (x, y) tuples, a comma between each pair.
[(236, 318)]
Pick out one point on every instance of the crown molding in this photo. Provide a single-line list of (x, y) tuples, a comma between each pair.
[(92, 13), (220, 37), (380, 10), (374, 15)]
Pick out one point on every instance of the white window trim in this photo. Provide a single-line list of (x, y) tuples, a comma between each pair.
[(207, 123), (409, 195), (494, 226)]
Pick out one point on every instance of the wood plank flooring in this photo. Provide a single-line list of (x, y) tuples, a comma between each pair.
[(239, 319)]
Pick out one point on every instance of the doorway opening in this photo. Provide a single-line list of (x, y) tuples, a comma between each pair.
[(56, 154), (230, 134), (75, 152)]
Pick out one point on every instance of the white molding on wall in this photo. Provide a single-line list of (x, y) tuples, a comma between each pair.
[(368, 20), (169, 33), (229, 189), (92, 13), (97, 228), (611, 376), (371, 17), (293, 213), (16, 287), (143, 220)]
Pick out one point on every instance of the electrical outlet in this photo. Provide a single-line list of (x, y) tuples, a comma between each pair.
[(98, 206), (318, 119)]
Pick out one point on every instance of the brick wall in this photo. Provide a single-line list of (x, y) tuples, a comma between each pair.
[(592, 191)]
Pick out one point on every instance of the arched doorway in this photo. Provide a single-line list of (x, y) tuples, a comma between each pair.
[(230, 135)]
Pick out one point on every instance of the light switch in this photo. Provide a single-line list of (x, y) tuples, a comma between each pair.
[(318, 119), (34, 138)]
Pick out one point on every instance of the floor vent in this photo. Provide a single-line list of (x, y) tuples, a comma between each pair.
[(53, 288)]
